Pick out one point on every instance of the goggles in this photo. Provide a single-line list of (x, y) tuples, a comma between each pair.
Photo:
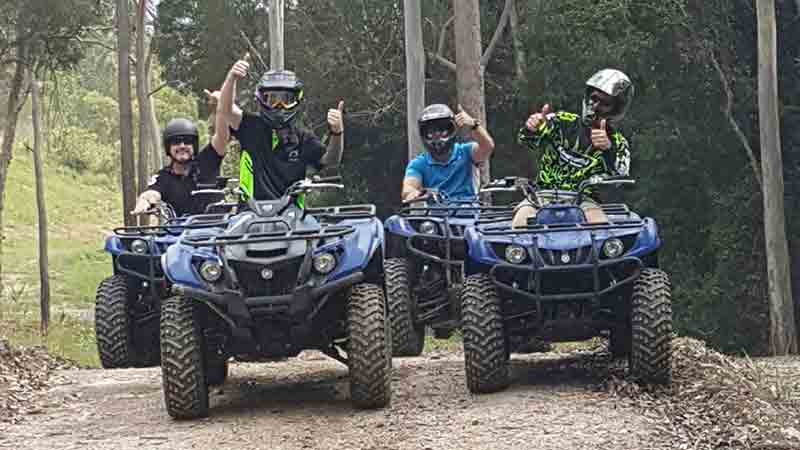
[(279, 99)]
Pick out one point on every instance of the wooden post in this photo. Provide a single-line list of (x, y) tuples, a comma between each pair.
[(415, 74), (44, 276), (783, 336), (276, 60)]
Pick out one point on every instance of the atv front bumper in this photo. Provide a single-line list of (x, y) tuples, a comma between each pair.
[(554, 283)]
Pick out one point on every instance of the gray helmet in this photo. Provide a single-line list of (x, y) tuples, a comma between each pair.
[(282, 84), (437, 117), (611, 82), (180, 127)]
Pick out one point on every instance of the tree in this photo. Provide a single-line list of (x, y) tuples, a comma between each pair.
[(148, 131), (37, 35), (276, 50), (415, 73), (44, 277), (783, 337), (127, 167)]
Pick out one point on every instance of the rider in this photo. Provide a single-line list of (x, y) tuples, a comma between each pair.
[(573, 147), (275, 150), (447, 166), (175, 182)]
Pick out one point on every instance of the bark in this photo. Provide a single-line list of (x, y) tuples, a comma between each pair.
[(276, 55), (783, 336), (44, 277), (127, 160), (143, 100), (415, 73), (16, 99), (469, 76)]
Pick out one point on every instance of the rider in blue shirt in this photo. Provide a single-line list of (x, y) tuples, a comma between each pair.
[(446, 165)]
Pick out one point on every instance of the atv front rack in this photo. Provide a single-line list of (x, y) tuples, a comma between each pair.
[(343, 212), (561, 228), (174, 226), (616, 209), (323, 232), (450, 210)]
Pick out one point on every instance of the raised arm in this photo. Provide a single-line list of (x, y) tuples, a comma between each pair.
[(233, 116), (333, 153)]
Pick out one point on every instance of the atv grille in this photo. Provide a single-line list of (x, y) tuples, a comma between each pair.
[(282, 281), (580, 255)]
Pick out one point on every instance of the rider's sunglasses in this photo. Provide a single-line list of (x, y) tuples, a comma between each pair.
[(279, 99), (178, 140), (601, 100)]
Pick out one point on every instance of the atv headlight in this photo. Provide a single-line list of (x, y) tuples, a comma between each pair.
[(613, 248), (428, 227), (324, 263), (139, 246), (211, 271), (516, 254)]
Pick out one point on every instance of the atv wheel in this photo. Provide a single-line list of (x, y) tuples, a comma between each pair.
[(369, 350), (485, 351), (651, 327), (408, 338), (182, 366), (112, 324)]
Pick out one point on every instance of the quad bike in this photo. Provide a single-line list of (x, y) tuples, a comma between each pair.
[(279, 279), (128, 303), (560, 278), (425, 254)]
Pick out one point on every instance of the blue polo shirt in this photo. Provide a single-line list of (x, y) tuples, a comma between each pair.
[(454, 178)]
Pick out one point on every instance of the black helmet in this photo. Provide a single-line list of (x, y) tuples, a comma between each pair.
[(180, 127), (437, 117), (611, 82), (279, 92)]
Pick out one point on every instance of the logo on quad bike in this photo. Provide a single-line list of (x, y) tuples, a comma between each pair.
[(267, 273), (565, 257)]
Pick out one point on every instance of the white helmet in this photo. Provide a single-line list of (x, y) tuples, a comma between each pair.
[(611, 82)]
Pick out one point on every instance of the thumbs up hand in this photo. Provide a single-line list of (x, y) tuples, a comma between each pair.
[(536, 119), (600, 138), (335, 122), (463, 119)]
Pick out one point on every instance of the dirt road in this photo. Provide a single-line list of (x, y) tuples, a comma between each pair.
[(303, 404)]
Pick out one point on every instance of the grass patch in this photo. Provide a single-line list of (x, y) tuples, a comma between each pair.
[(453, 344), (81, 210), (68, 338)]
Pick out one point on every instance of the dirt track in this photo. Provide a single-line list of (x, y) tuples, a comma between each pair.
[(303, 404)]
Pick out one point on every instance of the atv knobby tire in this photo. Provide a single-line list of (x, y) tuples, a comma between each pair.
[(486, 358), (182, 360), (112, 324), (651, 327), (369, 348), (408, 338)]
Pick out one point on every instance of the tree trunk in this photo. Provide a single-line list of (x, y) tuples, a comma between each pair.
[(127, 167), (142, 89), (469, 76), (520, 58), (15, 100), (415, 73), (276, 61), (44, 277), (783, 337)]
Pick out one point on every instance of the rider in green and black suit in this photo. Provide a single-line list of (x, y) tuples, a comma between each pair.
[(574, 147)]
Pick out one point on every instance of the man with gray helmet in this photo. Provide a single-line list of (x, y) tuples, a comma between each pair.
[(175, 182), (574, 147), (447, 166)]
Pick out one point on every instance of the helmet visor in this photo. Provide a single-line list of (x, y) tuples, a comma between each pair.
[(183, 139), (437, 130), (278, 99)]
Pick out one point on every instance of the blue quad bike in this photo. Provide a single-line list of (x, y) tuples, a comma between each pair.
[(128, 303), (424, 267), (559, 279), (281, 278)]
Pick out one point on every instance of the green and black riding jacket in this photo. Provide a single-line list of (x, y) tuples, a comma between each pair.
[(566, 154)]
